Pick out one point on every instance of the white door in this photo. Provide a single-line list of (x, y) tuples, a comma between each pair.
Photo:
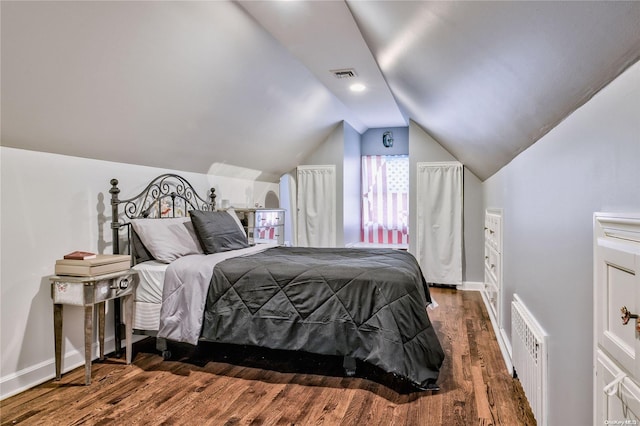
[(617, 287), (316, 224)]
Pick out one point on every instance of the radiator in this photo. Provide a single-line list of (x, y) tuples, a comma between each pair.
[(529, 347)]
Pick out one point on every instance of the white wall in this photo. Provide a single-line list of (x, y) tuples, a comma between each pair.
[(352, 181), (422, 147), (51, 205), (342, 149), (288, 203), (589, 163)]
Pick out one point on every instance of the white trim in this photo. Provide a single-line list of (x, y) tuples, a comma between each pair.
[(617, 226), (34, 375), (470, 286)]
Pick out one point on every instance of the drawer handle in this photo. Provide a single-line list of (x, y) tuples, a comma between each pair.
[(124, 283), (612, 388), (626, 315)]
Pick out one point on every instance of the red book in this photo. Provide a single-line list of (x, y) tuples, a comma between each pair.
[(80, 255)]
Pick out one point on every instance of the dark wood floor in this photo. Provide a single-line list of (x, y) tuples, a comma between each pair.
[(224, 385)]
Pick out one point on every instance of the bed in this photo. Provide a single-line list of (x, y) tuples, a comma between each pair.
[(200, 280)]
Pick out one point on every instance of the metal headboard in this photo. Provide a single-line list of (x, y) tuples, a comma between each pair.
[(168, 195)]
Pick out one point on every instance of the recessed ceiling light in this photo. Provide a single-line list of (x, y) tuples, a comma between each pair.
[(357, 87)]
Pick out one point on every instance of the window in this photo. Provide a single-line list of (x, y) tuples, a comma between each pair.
[(385, 199)]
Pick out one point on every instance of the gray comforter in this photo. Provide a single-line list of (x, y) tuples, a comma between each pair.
[(184, 295), (369, 304)]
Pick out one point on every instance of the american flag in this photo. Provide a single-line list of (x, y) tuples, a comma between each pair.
[(385, 199)]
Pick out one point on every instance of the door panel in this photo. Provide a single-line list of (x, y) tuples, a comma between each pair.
[(618, 286)]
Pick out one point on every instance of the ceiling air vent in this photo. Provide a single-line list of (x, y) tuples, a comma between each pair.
[(344, 73)]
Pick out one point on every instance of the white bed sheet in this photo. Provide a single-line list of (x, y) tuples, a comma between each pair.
[(148, 298), (151, 274), (185, 292), (150, 281)]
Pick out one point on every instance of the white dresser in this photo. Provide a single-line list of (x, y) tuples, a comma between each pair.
[(617, 345), (493, 262), (263, 225)]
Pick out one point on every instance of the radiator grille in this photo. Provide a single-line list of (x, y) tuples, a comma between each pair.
[(530, 357)]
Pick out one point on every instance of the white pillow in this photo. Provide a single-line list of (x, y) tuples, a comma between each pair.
[(167, 239)]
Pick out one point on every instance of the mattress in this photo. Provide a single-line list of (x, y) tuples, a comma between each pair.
[(148, 298)]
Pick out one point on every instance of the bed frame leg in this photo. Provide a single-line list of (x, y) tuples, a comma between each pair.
[(349, 365)]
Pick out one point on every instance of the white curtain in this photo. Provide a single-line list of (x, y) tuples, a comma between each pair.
[(439, 222), (316, 224)]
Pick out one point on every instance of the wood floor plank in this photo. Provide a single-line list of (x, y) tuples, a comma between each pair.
[(358, 405), (272, 389), (281, 405), (335, 405), (227, 385)]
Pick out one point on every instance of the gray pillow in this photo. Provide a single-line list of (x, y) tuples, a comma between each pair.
[(217, 231), (167, 239), (140, 252), (236, 219)]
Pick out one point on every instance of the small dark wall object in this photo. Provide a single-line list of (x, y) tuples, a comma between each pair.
[(387, 139)]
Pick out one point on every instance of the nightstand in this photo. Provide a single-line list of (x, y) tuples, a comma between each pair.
[(263, 225), (92, 291)]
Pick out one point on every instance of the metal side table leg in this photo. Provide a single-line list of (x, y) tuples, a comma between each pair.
[(57, 332), (101, 318), (88, 334)]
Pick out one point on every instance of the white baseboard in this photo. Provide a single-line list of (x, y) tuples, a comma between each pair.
[(34, 375), (471, 286), (505, 347)]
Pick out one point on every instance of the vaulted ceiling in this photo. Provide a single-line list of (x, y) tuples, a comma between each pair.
[(229, 86)]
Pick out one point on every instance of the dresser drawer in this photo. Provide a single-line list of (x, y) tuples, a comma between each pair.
[(268, 218), (492, 263), (110, 289), (621, 399), (493, 230), (88, 291), (268, 234), (491, 292)]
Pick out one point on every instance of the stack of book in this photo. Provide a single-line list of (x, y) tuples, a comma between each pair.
[(87, 264)]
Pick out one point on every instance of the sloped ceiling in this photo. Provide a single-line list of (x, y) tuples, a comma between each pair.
[(219, 86)]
